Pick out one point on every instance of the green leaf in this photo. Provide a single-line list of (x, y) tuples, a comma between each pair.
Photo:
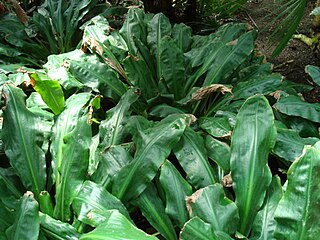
[(314, 71), (134, 26), (140, 76), (27, 224), (63, 125), (264, 84), (294, 106), (264, 223), (111, 162), (172, 65), (152, 208), (50, 91), (92, 73), (6, 221), (11, 188), (219, 152), (55, 229), (212, 206), (23, 138), (170, 178), (182, 34), (216, 126), (112, 129), (219, 59), (158, 27), (57, 69), (297, 212), (192, 156), (153, 146), (94, 197), (164, 110), (289, 145), (75, 156), (195, 228), (116, 227), (253, 138)]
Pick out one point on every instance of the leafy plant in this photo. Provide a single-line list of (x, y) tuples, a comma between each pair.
[(158, 124), (52, 29)]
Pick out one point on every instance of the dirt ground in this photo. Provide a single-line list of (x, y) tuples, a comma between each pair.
[(296, 55)]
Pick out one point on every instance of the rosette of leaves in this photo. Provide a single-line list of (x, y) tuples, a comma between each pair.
[(109, 138)]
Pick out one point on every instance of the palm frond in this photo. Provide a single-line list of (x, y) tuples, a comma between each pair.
[(289, 13)]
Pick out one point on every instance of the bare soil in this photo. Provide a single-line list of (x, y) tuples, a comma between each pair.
[(292, 61)]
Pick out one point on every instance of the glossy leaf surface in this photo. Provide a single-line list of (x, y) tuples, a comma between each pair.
[(191, 154), (116, 227), (211, 205), (294, 106), (111, 162), (153, 146), (63, 125), (50, 91), (152, 208), (170, 178), (289, 145), (23, 138), (75, 161), (298, 210), (94, 197), (219, 152), (55, 229), (253, 138), (112, 129), (264, 224), (27, 224)]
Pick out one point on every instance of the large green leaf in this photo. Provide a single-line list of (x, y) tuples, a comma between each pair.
[(152, 208), (153, 146), (98, 76), (172, 65), (23, 138), (219, 152), (27, 224), (94, 197), (170, 178), (195, 228), (191, 153), (183, 36), (73, 169), (289, 145), (55, 229), (116, 227), (216, 126), (264, 223), (140, 76), (263, 84), (294, 106), (298, 210), (64, 124), (50, 91), (110, 163), (212, 206), (314, 73), (112, 129), (219, 59), (253, 138), (6, 221), (158, 27), (134, 26), (11, 188)]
